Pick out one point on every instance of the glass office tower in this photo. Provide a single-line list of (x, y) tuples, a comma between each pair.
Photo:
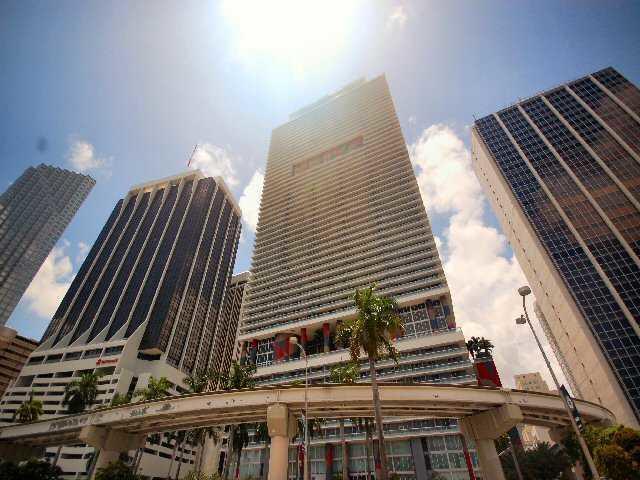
[(341, 210), (145, 303), (34, 211), (562, 170)]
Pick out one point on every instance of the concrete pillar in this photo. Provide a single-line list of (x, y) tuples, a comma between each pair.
[(110, 443), (105, 457), (484, 428), (489, 460), (282, 427)]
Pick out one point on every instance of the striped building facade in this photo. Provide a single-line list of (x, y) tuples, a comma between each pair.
[(562, 171)]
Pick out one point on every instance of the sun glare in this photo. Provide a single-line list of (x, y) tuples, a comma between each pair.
[(301, 33)]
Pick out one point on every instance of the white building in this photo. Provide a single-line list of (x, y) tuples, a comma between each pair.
[(147, 301), (340, 210)]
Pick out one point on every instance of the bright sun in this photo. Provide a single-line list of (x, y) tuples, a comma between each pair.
[(300, 33)]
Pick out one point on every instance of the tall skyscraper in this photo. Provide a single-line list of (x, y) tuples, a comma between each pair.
[(562, 171), (145, 302), (224, 347), (34, 211), (341, 210)]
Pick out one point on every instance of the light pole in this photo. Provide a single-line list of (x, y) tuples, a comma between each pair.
[(294, 341), (524, 291)]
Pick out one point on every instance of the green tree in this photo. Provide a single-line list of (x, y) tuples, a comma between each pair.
[(615, 450), (479, 347), (371, 330), (120, 399), (117, 471), (29, 411), (198, 382), (156, 388), (540, 463), (348, 373), (32, 470), (80, 394), (239, 377)]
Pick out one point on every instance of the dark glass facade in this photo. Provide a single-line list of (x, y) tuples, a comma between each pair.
[(34, 211), (567, 157), (162, 263)]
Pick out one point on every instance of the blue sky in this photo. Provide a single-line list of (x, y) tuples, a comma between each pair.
[(125, 89)]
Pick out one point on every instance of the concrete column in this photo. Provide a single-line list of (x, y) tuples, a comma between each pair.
[(278, 458), (110, 443), (484, 428), (282, 427), (489, 460), (105, 457)]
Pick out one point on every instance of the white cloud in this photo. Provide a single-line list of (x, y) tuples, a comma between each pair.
[(398, 17), (50, 283), (482, 273), (213, 161), (250, 200), (83, 249), (83, 158), (412, 120)]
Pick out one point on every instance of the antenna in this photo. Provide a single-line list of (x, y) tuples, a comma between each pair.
[(192, 154)]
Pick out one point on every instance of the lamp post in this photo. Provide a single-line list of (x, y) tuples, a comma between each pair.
[(524, 291), (307, 463)]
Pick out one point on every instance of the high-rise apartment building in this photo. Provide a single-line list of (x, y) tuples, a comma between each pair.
[(562, 171), (14, 351), (34, 211), (341, 210), (146, 302)]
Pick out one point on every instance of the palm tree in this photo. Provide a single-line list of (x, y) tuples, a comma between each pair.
[(120, 399), (156, 388), (198, 382), (29, 411), (344, 373), (80, 394), (239, 377), (371, 330), (479, 347)]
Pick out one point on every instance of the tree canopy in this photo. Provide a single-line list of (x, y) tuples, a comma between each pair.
[(29, 411), (80, 394)]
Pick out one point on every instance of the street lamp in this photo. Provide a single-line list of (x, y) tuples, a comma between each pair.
[(524, 291), (294, 341)]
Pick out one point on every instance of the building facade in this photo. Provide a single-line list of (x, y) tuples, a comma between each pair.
[(146, 302), (532, 435), (34, 211), (341, 210), (562, 171), (226, 346), (14, 351)]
